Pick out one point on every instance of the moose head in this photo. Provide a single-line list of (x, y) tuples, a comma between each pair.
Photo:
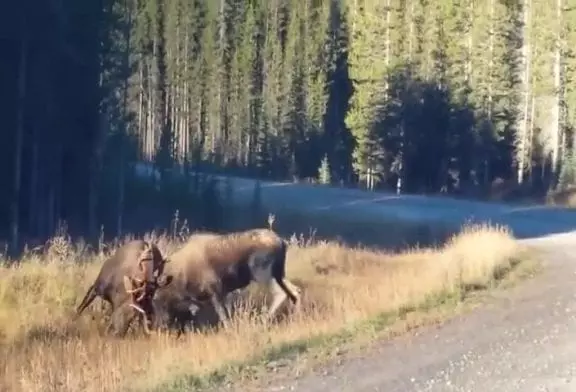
[(143, 288)]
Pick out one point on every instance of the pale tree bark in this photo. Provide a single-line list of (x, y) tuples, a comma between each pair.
[(201, 128), (469, 42), (556, 127), (490, 79), (141, 124), (388, 43), (122, 152), (411, 37), (184, 115), (150, 131), (490, 58), (177, 102), (522, 136), (172, 95), (221, 131), (180, 92), (372, 172), (530, 138), (22, 79)]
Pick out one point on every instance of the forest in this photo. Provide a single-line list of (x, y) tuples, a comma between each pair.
[(419, 96)]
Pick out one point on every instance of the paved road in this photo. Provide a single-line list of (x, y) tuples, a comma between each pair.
[(525, 221), (524, 342)]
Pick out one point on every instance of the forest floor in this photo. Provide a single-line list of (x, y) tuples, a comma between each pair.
[(349, 295)]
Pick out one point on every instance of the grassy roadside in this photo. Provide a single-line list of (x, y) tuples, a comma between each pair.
[(306, 355), (350, 295)]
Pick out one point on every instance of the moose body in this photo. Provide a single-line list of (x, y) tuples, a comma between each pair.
[(174, 310), (209, 266), (130, 276)]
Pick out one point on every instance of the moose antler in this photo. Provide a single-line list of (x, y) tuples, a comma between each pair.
[(141, 311), (140, 289)]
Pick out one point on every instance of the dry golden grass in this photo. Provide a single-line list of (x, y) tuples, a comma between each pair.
[(42, 350)]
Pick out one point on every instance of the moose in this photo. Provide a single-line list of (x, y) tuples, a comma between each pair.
[(130, 276), (209, 266)]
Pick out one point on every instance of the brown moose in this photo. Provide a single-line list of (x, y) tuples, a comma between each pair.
[(129, 277), (209, 266)]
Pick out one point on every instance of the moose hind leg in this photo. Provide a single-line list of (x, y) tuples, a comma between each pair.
[(297, 291), (278, 298)]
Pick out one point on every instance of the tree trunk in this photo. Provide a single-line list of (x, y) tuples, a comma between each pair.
[(556, 114), (141, 127), (123, 138), (22, 76), (470, 41), (33, 226), (96, 164), (522, 137), (490, 60)]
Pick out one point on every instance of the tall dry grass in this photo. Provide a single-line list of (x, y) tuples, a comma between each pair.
[(42, 350)]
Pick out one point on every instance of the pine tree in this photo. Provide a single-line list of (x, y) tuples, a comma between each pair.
[(368, 69), (324, 176)]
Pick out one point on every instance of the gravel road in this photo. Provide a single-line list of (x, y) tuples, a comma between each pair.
[(524, 341)]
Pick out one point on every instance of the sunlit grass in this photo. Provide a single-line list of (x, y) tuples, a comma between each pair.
[(42, 350)]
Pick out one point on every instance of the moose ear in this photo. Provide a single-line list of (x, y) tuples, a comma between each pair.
[(164, 280), (128, 284)]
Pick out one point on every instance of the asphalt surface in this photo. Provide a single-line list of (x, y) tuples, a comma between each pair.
[(525, 221), (524, 341)]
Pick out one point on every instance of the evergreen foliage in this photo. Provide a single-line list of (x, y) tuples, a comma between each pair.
[(413, 96)]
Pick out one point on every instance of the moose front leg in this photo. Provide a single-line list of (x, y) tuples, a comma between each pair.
[(120, 321)]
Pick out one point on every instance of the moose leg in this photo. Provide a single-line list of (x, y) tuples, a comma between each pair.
[(90, 295), (124, 329), (278, 298), (181, 328), (120, 322), (217, 300), (295, 289)]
